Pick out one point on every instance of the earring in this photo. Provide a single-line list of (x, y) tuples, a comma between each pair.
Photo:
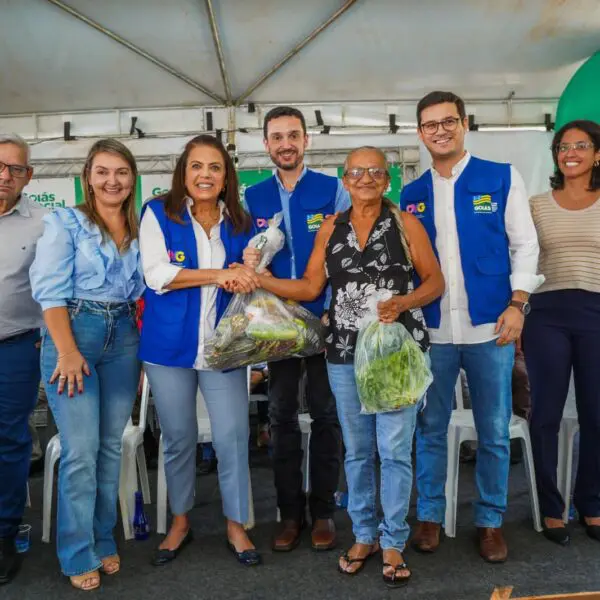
[(597, 163)]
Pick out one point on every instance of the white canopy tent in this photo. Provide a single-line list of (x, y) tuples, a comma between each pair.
[(89, 68)]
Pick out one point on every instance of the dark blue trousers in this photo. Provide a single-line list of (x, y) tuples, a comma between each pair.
[(19, 383), (561, 334)]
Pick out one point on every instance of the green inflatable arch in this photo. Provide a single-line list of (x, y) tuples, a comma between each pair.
[(581, 98)]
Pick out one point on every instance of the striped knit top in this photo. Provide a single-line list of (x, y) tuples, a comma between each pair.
[(569, 244)]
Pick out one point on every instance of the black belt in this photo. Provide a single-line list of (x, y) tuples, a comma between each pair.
[(18, 336)]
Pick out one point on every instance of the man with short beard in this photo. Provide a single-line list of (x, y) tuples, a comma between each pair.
[(20, 321), (476, 213), (305, 197)]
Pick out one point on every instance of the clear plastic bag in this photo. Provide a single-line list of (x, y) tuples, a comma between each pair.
[(261, 327), (391, 369), (269, 242)]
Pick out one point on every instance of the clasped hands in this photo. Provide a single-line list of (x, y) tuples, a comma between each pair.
[(241, 279)]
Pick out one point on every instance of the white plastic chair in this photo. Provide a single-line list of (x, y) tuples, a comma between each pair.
[(132, 453), (132, 456), (204, 437), (569, 426), (462, 429)]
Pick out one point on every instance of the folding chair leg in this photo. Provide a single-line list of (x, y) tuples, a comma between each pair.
[(306, 465), (143, 471), (452, 481), (530, 473), (127, 489), (49, 463), (251, 522), (161, 492)]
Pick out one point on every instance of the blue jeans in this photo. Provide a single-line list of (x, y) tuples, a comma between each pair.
[(226, 396), (19, 382), (364, 435), (489, 374), (91, 427)]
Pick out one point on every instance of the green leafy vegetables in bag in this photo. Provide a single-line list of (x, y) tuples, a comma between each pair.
[(391, 369)]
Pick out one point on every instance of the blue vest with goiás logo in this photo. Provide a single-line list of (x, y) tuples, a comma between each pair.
[(312, 200), (171, 321), (480, 195)]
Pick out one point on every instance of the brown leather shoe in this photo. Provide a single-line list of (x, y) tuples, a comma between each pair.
[(288, 535), (323, 534), (427, 537), (492, 546)]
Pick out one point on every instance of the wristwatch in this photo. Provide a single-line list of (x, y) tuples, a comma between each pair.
[(524, 307)]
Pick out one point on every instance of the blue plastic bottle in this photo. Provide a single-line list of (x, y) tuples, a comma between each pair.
[(141, 527), (341, 499)]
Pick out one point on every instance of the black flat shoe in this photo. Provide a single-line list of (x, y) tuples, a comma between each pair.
[(162, 557), (558, 535), (593, 531), (9, 560), (248, 558)]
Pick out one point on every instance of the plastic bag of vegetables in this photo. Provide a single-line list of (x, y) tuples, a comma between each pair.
[(260, 327), (391, 369)]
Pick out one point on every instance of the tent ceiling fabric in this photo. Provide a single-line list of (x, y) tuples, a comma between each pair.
[(376, 50)]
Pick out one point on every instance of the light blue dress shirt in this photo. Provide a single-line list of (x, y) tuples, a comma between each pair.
[(73, 260), (342, 203)]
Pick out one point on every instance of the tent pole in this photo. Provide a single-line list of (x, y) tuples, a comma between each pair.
[(338, 13), (117, 38), (219, 49)]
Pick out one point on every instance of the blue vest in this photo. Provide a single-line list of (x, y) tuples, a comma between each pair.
[(171, 321), (480, 195), (313, 199)]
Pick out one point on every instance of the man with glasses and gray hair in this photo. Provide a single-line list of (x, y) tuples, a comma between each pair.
[(20, 321), (476, 213)]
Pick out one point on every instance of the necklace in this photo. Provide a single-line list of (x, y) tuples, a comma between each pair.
[(210, 220)]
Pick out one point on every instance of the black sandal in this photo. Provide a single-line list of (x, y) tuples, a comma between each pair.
[(393, 581), (350, 561)]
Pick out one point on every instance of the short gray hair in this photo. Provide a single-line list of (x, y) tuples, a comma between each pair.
[(17, 140)]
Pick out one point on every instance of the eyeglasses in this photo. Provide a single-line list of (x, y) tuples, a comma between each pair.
[(358, 173), (18, 171), (578, 146), (448, 124)]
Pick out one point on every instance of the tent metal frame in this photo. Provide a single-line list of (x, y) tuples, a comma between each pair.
[(228, 99)]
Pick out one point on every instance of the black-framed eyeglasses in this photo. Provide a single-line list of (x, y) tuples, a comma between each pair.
[(448, 124), (357, 173), (578, 146), (17, 171)]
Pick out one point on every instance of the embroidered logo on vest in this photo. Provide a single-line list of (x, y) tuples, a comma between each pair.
[(178, 256), (417, 209), (483, 204), (314, 221)]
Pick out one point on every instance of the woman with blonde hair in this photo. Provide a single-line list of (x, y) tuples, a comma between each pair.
[(86, 277)]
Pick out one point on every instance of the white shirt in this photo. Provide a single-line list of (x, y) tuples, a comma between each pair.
[(455, 325), (159, 272)]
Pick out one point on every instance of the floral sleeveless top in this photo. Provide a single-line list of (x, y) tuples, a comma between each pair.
[(355, 275)]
